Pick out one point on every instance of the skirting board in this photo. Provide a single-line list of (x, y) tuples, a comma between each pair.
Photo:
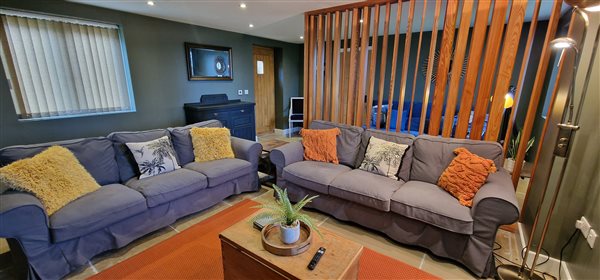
[(551, 266), (284, 132)]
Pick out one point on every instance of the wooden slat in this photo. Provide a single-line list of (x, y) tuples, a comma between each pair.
[(405, 60), (470, 81), (319, 95), (524, 66), (373, 64), (414, 84), (505, 70), (386, 28), (352, 6), (536, 91), (432, 46), (308, 100), (459, 57), (489, 68), (328, 66), (344, 76), (393, 70), (307, 81), (335, 91), (442, 68), (353, 67), (364, 46)]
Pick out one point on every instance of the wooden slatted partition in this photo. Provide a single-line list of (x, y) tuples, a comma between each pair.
[(355, 74)]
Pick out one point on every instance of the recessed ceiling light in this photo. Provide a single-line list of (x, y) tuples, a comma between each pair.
[(251, 25), (243, 5), (150, 3), (361, 21), (301, 37)]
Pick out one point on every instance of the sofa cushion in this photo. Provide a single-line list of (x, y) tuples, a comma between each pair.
[(320, 144), (432, 154), (93, 211), (400, 138), (313, 175), (95, 154), (348, 142), (128, 168), (365, 188), (222, 170), (168, 186), (182, 141), (430, 204)]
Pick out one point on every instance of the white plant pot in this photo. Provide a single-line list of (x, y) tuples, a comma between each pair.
[(509, 164), (290, 234)]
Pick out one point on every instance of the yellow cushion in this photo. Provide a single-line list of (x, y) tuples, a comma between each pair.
[(54, 176), (211, 143)]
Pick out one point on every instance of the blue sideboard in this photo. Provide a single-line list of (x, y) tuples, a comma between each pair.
[(238, 116)]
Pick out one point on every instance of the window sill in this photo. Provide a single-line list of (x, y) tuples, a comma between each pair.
[(76, 116)]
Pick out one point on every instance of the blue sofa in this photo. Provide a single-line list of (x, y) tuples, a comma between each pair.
[(124, 208)]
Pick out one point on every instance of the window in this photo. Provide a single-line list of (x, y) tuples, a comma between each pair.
[(63, 67)]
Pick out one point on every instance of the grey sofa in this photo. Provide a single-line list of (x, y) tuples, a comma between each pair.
[(411, 210), (124, 208)]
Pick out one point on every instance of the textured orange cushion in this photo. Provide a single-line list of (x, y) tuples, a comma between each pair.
[(465, 175), (320, 144)]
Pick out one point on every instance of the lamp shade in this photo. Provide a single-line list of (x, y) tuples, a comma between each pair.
[(508, 100)]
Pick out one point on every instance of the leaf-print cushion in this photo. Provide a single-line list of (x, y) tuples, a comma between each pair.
[(465, 175), (383, 157), (154, 157)]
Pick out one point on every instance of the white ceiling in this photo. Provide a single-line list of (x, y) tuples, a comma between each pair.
[(274, 19)]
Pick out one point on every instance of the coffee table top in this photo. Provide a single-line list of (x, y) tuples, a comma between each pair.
[(340, 253)]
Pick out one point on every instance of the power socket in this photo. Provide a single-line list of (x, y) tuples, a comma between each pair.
[(591, 238), (240, 92), (584, 226)]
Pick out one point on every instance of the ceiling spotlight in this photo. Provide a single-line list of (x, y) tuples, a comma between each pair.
[(593, 8), (243, 5), (563, 43), (150, 3), (301, 37), (251, 25), (361, 21)]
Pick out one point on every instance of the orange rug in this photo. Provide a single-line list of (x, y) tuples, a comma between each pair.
[(196, 254)]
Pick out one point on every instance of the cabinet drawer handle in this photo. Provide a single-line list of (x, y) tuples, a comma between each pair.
[(215, 114), (241, 111)]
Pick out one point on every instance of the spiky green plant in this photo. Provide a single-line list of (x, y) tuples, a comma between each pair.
[(281, 211), (514, 145)]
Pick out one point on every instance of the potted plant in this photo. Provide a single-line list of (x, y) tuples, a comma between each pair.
[(513, 146), (286, 215)]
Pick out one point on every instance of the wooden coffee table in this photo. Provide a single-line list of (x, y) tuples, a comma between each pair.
[(245, 258)]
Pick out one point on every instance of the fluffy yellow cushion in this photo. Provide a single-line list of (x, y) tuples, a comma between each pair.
[(54, 176), (211, 143)]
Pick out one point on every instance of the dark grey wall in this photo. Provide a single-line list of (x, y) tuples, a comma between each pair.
[(158, 71)]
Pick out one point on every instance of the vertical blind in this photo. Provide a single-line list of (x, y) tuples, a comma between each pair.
[(59, 67)]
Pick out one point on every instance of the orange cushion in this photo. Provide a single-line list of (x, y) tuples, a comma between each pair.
[(465, 175), (320, 144)]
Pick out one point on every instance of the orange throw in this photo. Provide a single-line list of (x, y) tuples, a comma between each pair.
[(196, 254)]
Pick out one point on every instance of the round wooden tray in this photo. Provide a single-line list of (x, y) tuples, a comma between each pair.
[(272, 242)]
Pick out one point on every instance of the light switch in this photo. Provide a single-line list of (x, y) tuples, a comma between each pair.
[(246, 92)]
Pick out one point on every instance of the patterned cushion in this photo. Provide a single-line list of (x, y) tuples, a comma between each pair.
[(54, 176), (154, 157), (465, 175), (383, 157), (320, 145), (211, 143)]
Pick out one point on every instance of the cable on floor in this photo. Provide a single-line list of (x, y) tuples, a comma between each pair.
[(563, 249)]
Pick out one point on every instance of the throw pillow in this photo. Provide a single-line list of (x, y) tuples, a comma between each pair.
[(154, 157), (320, 144), (383, 157), (54, 176), (211, 143), (465, 175)]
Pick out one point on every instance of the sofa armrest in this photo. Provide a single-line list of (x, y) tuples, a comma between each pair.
[(22, 217), (247, 150), (287, 154), (495, 203)]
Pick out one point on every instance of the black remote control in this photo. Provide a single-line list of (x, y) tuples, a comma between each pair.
[(315, 260)]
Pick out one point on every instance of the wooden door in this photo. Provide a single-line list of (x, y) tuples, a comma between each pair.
[(264, 88)]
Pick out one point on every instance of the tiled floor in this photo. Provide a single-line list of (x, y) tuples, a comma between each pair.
[(507, 241)]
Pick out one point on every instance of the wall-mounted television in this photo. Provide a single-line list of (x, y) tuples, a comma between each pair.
[(206, 62)]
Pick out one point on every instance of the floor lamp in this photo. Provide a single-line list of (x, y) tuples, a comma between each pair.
[(566, 132)]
